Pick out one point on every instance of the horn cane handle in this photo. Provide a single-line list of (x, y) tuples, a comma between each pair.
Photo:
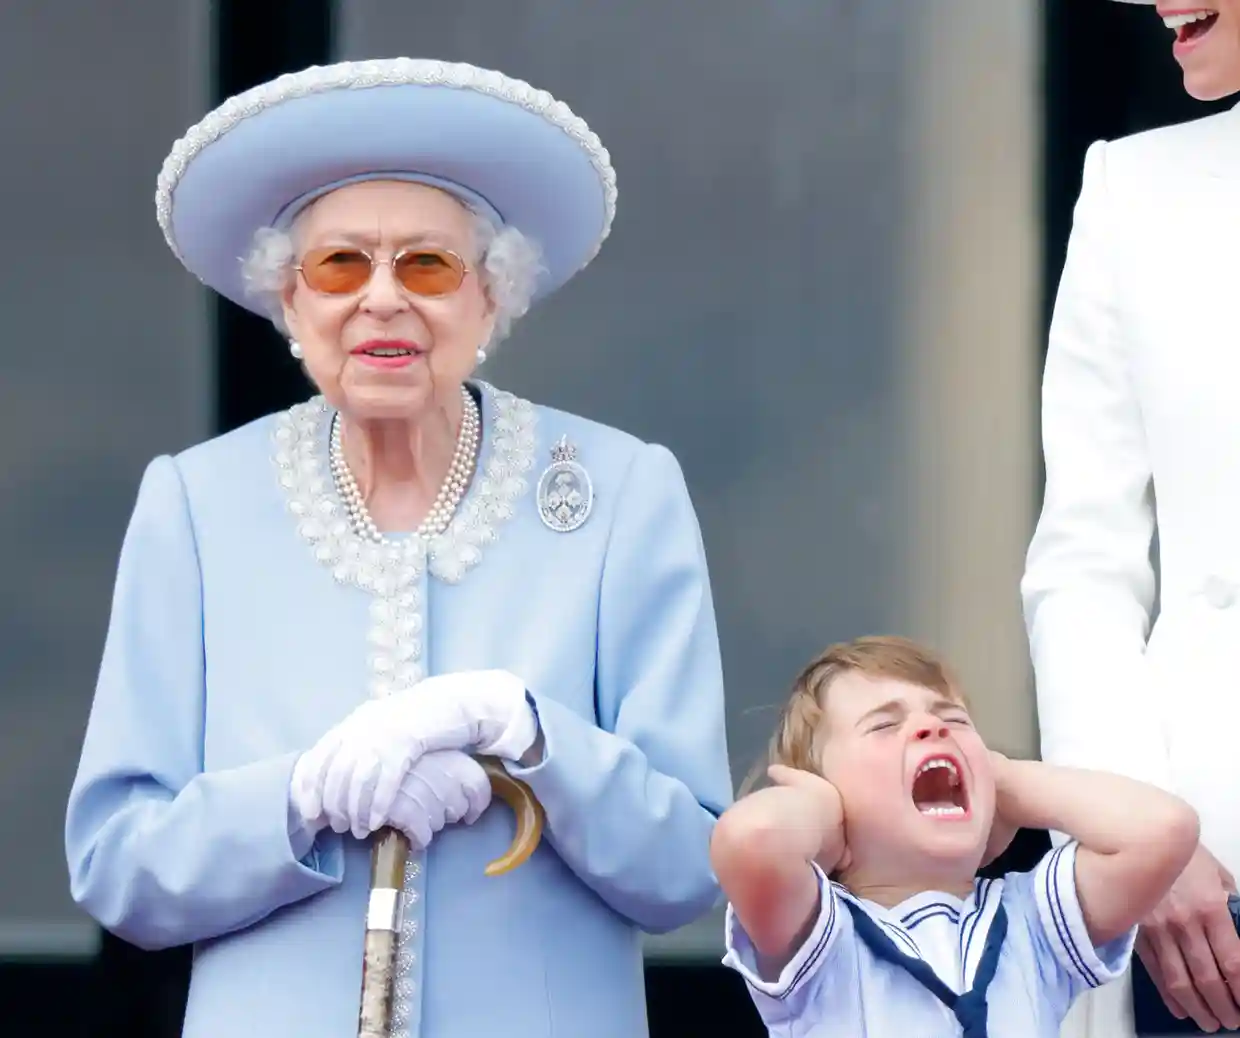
[(528, 811)]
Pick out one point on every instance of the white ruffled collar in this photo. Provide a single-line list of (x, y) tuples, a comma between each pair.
[(509, 438)]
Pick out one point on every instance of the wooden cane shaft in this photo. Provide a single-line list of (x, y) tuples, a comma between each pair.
[(383, 919), (387, 881)]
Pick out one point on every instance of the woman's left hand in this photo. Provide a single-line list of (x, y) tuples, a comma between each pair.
[(443, 788), (356, 770)]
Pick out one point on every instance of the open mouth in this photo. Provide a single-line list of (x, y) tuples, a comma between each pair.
[(938, 790), (1190, 26)]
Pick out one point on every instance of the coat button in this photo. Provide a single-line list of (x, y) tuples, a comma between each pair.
[(1220, 593)]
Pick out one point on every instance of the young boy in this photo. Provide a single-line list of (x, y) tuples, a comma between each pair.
[(853, 908)]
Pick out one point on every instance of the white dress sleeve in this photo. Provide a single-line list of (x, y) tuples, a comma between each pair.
[(1088, 587)]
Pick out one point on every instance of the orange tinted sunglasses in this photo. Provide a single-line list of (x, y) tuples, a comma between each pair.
[(341, 270)]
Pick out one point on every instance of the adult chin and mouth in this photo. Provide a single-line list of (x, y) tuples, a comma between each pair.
[(1191, 25), (388, 353), (938, 789)]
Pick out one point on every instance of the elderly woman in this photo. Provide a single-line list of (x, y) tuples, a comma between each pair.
[(321, 619), (1141, 430)]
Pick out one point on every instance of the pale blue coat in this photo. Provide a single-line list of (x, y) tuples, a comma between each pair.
[(231, 648)]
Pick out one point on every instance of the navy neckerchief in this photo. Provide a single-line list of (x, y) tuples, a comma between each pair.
[(970, 1008)]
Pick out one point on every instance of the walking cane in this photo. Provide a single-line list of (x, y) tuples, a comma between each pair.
[(387, 881)]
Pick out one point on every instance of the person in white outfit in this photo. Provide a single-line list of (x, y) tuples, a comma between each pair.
[(1141, 431)]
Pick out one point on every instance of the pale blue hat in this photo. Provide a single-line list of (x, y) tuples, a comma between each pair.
[(511, 152)]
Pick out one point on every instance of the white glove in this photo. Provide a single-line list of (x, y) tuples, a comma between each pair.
[(443, 788), (357, 768)]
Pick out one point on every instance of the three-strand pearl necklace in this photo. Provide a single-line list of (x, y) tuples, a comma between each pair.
[(451, 492)]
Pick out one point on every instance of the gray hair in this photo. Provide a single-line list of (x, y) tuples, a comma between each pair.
[(509, 266)]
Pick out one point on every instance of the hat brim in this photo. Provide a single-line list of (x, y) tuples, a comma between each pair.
[(535, 163)]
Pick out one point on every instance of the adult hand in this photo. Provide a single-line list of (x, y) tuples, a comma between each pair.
[(443, 788), (356, 770), (1190, 947)]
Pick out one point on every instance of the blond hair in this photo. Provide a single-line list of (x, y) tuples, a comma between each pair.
[(797, 742)]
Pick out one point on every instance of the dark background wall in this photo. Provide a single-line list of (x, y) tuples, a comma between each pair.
[(803, 156)]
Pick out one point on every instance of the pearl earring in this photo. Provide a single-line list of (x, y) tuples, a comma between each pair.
[(294, 347), (482, 355)]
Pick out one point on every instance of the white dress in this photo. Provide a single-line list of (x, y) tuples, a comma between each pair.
[(1141, 402)]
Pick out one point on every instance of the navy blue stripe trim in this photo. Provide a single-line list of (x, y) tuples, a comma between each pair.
[(927, 907), (1060, 917), (970, 927), (812, 959), (950, 916), (896, 931)]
